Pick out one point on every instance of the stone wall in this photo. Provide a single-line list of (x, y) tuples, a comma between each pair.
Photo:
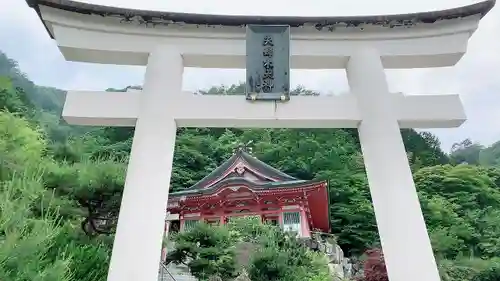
[(340, 266)]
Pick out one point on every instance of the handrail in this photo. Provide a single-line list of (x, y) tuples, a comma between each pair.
[(165, 269)]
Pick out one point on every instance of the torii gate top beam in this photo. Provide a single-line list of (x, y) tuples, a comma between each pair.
[(166, 18), (101, 34)]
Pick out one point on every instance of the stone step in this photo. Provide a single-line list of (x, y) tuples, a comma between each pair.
[(178, 272), (177, 278)]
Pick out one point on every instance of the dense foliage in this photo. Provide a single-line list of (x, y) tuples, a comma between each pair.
[(282, 258), (271, 254), (207, 251), (78, 176)]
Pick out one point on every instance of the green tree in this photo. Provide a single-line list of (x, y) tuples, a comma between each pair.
[(281, 257), (466, 152), (25, 240), (21, 144), (207, 251), (490, 156), (490, 274), (460, 205)]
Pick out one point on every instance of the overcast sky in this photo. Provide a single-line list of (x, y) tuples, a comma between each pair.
[(23, 38)]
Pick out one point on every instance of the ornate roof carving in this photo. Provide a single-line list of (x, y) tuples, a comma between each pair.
[(234, 169)]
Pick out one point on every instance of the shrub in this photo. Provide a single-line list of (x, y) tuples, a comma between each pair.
[(207, 251), (271, 264), (20, 145), (282, 257), (249, 228), (25, 241), (490, 274), (89, 257), (465, 268)]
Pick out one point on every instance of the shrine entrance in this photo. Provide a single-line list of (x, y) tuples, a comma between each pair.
[(167, 42), (214, 221), (271, 219)]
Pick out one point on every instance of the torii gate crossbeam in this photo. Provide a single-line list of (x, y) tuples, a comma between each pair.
[(95, 108)]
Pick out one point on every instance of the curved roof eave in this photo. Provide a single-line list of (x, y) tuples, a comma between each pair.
[(267, 169), (166, 18), (253, 185)]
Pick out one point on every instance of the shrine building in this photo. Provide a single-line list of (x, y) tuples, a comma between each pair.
[(245, 186)]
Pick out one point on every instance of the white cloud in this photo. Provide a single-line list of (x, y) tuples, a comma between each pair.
[(23, 38)]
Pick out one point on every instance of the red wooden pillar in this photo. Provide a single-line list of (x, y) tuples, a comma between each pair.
[(280, 218), (181, 222), (304, 223)]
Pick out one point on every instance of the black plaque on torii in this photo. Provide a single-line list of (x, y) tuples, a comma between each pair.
[(268, 62)]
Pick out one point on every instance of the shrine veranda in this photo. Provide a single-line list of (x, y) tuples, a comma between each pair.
[(166, 42)]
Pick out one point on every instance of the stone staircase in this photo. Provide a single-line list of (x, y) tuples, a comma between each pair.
[(174, 272)]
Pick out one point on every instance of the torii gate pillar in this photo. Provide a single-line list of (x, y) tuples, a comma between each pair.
[(403, 234), (141, 222)]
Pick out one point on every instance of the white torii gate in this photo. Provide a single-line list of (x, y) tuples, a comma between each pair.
[(168, 42)]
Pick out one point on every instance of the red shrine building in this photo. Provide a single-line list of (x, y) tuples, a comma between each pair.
[(246, 186)]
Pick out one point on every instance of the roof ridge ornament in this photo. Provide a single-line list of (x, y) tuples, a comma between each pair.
[(243, 147)]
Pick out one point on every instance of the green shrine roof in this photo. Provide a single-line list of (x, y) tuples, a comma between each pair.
[(265, 186), (244, 169)]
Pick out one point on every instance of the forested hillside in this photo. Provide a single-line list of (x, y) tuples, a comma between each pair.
[(78, 174)]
